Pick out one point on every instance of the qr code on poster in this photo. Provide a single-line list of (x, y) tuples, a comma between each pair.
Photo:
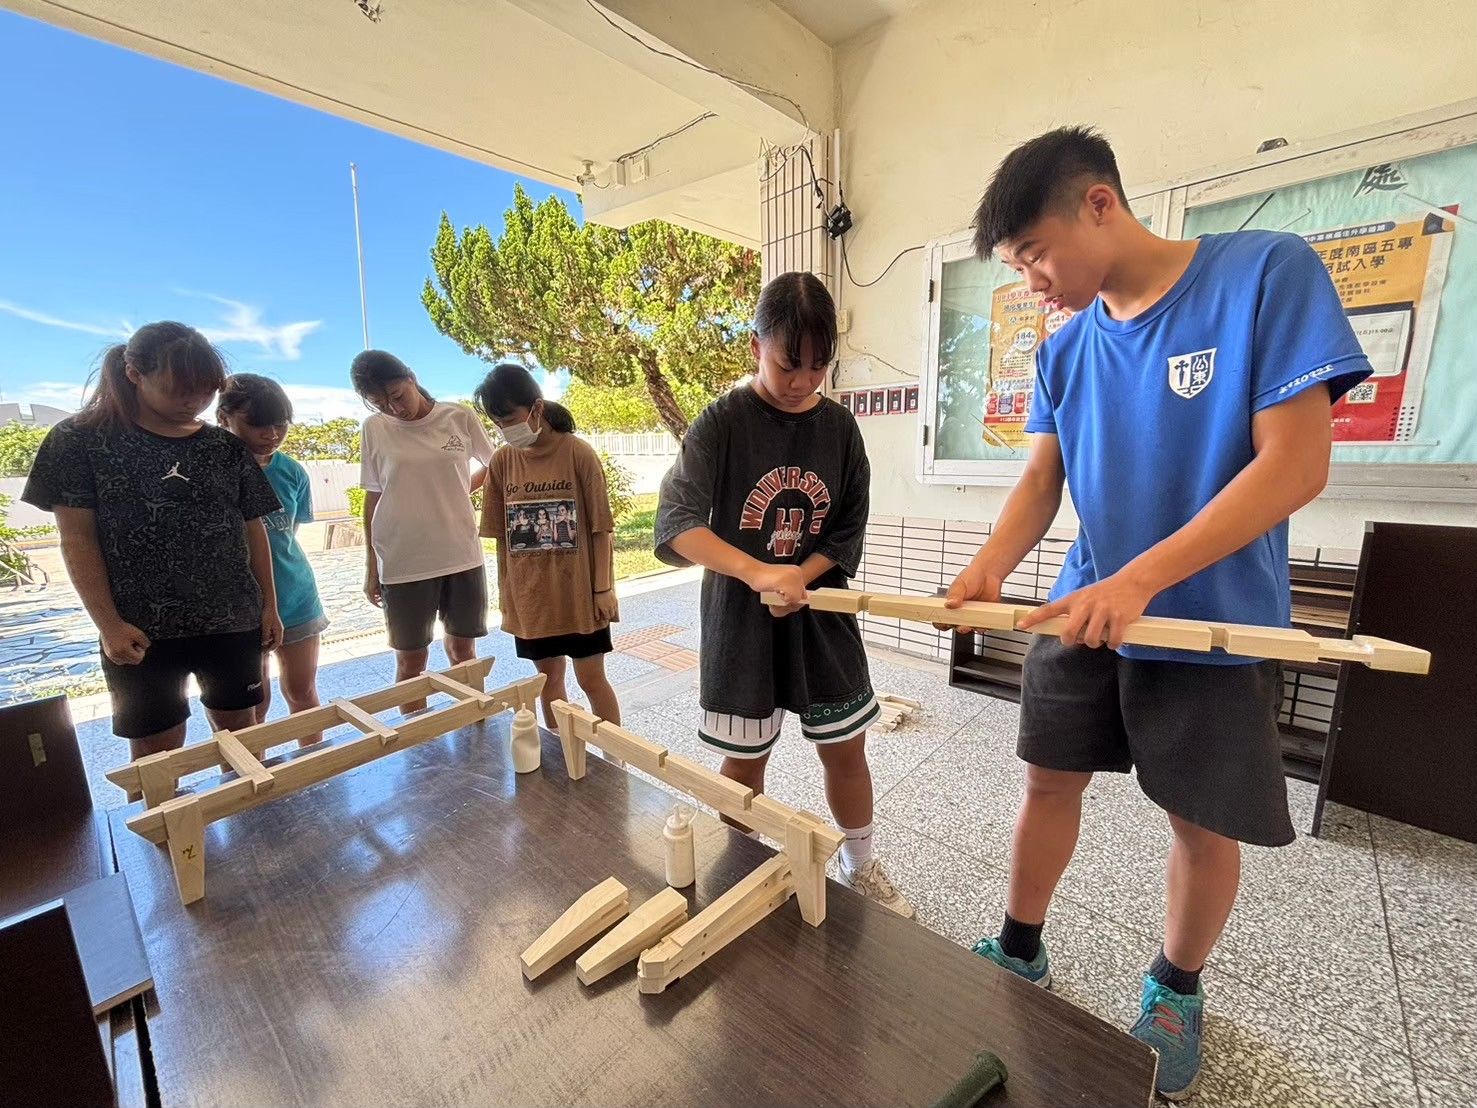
[(1362, 393)]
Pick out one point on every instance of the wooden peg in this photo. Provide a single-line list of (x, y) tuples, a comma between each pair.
[(809, 875), (572, 744), (581, 922), (184, 826), (643, 928)]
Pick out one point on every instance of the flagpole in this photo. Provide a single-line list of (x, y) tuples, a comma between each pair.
[(359, 246)]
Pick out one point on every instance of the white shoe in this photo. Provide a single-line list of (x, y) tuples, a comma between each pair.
[(872, 883)]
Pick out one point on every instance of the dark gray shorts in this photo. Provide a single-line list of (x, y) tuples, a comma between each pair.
[(411, 608), (1203, 738)]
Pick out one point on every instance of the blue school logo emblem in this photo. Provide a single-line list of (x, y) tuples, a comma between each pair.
[(1190, 373)]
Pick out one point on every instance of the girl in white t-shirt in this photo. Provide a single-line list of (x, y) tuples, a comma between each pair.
[(424, 556)]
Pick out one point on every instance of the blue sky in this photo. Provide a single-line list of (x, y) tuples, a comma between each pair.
[(134, 190)]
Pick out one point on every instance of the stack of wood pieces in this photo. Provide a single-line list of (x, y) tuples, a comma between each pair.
[(893, 710)]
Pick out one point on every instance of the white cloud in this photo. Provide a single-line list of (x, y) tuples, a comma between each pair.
[(240, 323), (66, 395), (243, 323), (121, 331), (312, 403)]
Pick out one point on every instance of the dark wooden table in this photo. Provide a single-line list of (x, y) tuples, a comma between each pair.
[(358, 944)]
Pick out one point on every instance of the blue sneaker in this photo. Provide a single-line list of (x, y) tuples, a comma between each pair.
[(1171, 1023), (1037, 971)]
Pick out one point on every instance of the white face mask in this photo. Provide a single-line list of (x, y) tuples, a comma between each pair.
[(520, 435)]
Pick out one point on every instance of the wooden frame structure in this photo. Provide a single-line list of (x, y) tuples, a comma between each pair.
[(1282, 643), (807, 844), (248, 781)]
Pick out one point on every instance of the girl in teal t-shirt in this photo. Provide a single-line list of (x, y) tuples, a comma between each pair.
[(257, 411)]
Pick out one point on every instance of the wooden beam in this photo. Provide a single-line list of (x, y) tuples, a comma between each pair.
[(642, 929), (1376, 653), (809, 875), (355, 716), (723, 793), (771, 818), (582, 921), (185, 828), (1282, 643), (717, 925), (442, 683), (243, 761), (569, 740), (620, 743), (156, 777)]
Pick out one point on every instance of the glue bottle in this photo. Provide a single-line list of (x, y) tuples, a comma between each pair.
[(681, 867), (526, 745)]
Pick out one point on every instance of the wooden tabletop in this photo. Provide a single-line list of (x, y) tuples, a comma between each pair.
[(358, 943)]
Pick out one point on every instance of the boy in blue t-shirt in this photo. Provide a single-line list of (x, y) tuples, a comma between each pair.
[(1187, 406)]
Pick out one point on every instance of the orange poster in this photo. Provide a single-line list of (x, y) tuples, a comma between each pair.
[(1018, 326)]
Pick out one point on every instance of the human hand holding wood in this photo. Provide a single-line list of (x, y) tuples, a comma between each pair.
[(1099, 614), (975, 582), (787, 580)]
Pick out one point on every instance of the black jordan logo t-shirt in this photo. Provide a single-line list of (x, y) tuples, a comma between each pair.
[(171, 520)]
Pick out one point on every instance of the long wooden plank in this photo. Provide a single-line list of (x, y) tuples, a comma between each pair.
[(451, 687), (1281, 643), (823, 600), (244, 762), (639, 931), (723, 793), (617, 741), (257, 739), (771, 818), (591, 914)]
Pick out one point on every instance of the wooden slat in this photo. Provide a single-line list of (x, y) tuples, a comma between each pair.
[(642, 929), (591, 914), (722, 793), (458, 690), (355, 716), (617, 741), (244, 762)]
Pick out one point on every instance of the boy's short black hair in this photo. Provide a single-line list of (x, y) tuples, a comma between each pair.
[(1049, 173)]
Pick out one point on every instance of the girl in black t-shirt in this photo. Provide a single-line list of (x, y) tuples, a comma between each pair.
[(161, 530)]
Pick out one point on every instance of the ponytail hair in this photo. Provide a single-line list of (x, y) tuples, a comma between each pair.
[(192, 363), (258, 400), (509, 386), (795, 306), (373, 371)]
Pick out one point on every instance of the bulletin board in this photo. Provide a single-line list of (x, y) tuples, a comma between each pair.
[(1392, 212)]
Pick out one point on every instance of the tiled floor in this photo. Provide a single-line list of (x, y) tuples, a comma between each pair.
[(1347, 975)]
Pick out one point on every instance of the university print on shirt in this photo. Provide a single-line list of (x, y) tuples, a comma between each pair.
[(788, 521)]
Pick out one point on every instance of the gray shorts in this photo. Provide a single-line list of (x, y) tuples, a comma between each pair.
[(1203, 738), (411, 608)]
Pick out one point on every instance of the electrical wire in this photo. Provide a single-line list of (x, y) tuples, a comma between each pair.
[(846, 265), (654, 143), (804, 120), (860, 352)]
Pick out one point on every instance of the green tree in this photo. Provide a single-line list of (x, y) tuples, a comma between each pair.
[(18, 445), (654, 305), (334, 440), (629, 408)]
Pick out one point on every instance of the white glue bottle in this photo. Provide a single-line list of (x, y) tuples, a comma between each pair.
[(526, 745), (681, 867)]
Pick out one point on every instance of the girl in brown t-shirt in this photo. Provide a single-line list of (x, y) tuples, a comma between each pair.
[(546, 504)]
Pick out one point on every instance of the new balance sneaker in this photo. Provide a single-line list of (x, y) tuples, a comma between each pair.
[(1171, 1023), (1037, 971), (872, 883)]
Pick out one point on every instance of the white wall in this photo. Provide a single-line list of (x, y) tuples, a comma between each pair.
[(930, 102)]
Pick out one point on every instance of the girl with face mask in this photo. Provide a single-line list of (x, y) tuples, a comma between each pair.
[(558, 599)]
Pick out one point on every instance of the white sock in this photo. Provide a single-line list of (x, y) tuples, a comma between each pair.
[(856, 851)]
